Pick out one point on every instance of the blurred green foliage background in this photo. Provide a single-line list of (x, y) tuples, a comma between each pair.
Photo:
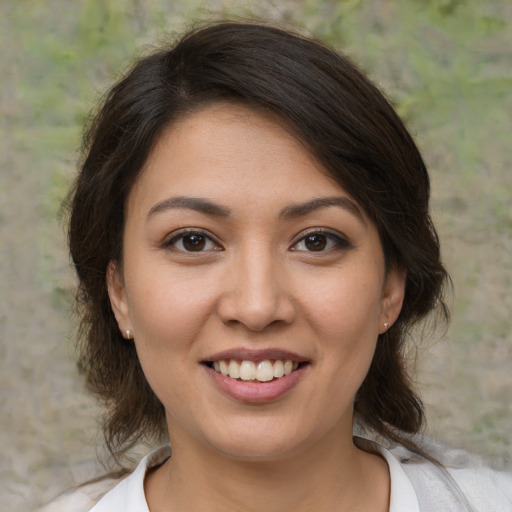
[(447, 67)]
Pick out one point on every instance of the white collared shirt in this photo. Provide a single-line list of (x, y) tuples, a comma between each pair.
[(415, 487)]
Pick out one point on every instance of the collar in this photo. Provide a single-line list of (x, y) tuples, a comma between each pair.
[(128, 495)]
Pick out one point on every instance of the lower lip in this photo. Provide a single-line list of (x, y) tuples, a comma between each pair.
[(256, 392)]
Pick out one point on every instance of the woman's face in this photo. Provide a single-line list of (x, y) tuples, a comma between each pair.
[(254, 285)]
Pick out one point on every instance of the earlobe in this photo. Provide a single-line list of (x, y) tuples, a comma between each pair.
[(117, 295), (392, 298)]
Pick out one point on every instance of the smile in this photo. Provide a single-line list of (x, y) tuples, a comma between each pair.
[(246, 370)]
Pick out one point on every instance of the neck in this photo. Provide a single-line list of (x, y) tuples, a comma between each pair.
[(325, 477)]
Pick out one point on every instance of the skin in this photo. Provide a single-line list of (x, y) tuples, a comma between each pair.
[(255, 284)]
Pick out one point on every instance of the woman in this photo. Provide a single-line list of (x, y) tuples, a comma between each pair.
[(251, 233)]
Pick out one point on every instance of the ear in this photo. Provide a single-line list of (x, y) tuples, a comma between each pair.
[(392, 298), (117, 293)]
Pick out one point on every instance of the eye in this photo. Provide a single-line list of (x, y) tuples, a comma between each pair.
[(319, 241), (192, 241)]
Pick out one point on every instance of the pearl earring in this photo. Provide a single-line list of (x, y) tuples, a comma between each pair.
[(128, 334), (386, 325)]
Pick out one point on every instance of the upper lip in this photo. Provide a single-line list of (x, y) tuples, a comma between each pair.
[(245, 354)]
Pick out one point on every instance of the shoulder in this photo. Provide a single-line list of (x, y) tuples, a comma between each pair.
[(81, 499), (486, 489), (111, 494), (460, 477)]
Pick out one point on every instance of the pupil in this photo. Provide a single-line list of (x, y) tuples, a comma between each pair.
[(316, 242), (194, 242)]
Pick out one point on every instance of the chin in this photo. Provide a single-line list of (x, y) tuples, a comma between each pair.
[(257, 451), (260, 442)]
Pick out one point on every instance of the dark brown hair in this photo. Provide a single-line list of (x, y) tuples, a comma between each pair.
[(347, 124)]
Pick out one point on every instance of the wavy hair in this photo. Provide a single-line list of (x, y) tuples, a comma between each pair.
[(348, 125)]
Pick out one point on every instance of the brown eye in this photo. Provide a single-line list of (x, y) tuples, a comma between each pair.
[(192, 242), (315, 242), (319, 241)]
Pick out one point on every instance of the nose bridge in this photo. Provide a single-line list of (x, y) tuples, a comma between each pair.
[(257, 294)]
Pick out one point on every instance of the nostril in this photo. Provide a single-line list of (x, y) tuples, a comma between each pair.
[(254, 318)]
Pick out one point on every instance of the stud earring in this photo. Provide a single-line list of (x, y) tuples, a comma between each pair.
[(128, 334), (386, 325)]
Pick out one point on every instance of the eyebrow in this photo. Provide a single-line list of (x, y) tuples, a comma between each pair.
[(302, 209), (289, 212), (192, 203)]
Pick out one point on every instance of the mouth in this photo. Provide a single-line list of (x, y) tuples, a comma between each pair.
[(256, 376), (265, 370)]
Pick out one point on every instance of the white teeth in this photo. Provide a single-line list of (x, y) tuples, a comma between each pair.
[(247, 370), (278, 369), (234, 369), (224, 368), (264, 371)]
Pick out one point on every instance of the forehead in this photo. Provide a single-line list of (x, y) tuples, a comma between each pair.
[(225, 149)]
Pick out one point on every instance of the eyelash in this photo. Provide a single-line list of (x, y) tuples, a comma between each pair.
[(333, 241), (181, 236), (338, 242)]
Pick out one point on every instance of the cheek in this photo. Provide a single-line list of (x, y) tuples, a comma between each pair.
[(345, 317), (167, 305), (167, 316), (347, 308)]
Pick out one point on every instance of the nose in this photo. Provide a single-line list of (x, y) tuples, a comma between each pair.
[(257, 293)]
